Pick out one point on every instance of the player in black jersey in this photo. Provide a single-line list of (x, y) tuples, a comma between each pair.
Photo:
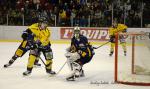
[(79, 53)]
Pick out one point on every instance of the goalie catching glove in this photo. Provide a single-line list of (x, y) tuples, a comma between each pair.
[(72, 56)]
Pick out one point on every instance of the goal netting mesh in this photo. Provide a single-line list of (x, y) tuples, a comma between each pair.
[(134, 68)]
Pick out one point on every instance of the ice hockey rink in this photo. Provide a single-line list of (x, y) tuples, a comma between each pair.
[(99, 73)]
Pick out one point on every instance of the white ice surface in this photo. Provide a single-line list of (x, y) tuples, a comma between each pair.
[(99, 71)]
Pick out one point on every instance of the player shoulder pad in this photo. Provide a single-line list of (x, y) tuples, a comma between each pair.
[(47, 29), (110, 28), (123, 26), (82, 36), (33, 26)]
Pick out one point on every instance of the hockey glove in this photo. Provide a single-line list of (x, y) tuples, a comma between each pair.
[(112, 39), (32, 45), (82, 53), (47, 47), (68, 49)]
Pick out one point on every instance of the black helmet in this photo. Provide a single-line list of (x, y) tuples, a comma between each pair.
[(43, 23), (43, 20)]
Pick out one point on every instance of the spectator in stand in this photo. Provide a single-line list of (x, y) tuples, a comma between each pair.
[(77, 7), (83, 22), (62, 17), (136, 21), (76, 21)]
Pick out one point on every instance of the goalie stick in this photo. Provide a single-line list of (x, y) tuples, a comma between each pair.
[(61, 68), (100, 45), (58, 70)]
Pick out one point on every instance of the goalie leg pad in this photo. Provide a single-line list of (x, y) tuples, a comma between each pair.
[(75, 73), (71, 57), (76, 68), (69, 65)]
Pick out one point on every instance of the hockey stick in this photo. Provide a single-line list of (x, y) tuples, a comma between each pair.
[(61, 68), (100, 45), (58, 70), (42, 60)]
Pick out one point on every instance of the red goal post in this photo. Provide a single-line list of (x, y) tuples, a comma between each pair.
[(127, 67)]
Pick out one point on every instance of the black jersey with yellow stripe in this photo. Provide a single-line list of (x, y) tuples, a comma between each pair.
[(81, 44)]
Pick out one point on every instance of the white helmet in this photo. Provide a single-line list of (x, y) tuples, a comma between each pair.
[(76, 31)]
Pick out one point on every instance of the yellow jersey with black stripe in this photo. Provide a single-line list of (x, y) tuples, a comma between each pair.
[(42, 35), (35, 30), (119, 28), (112, 31)]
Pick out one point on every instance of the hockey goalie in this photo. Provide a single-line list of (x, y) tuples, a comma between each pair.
[(79, 53)]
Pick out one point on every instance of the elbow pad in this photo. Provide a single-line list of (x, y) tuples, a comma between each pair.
[(24, 35), (27, 35)]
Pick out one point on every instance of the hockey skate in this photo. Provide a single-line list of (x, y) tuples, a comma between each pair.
[(111, 53), (50, 72), (71, 78), (37, 65), (125, 53), (26, 73), (9, 63), (82, 73), (75, 75)]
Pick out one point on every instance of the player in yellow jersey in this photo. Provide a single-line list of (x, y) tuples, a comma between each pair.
[(117, 28), (25, 45), (42, 42)]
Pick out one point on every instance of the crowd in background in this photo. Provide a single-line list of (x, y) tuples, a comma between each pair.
[(85, 13)]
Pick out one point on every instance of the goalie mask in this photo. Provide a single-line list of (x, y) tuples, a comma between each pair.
[(76, 32)]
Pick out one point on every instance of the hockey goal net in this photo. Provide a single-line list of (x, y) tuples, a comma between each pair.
[(134, 68)]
